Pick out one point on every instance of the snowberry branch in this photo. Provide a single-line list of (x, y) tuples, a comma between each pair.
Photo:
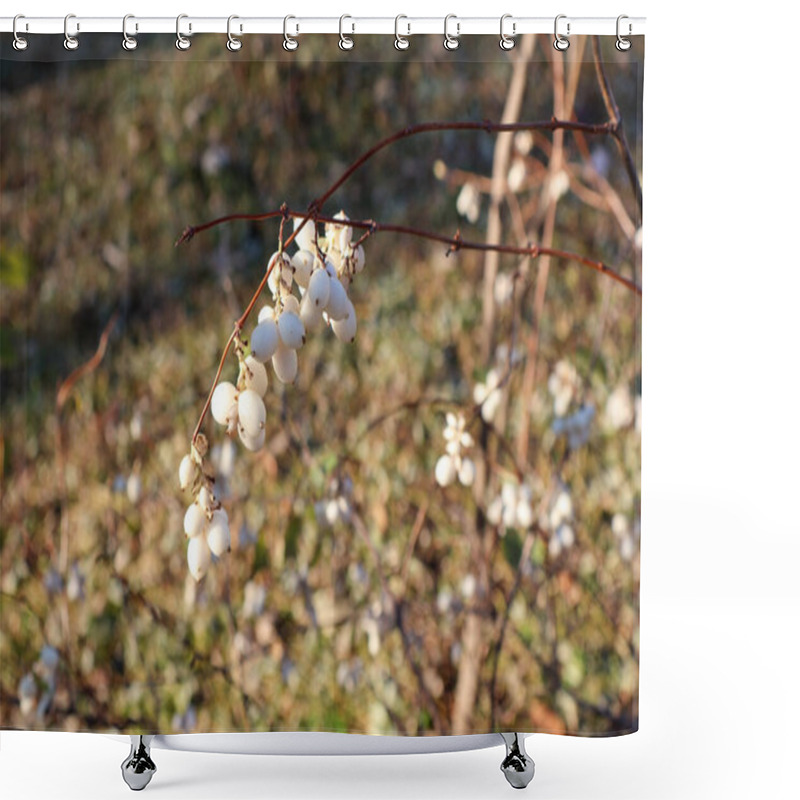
[(454, 243)]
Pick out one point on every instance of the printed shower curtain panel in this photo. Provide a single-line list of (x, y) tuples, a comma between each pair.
[(361, 453)]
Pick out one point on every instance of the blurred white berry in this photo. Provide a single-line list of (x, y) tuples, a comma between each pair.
[(345, 328), (252, 443), (27, 691), (266, 312), (254, 375), (466, 472), (252, 412), (284, 362), (319, 287), (187, 472), (445, 471), (291, 330), (503, 288), (620, 411), (305, 239), (198, 557), (338, 305), (194, 521), (561, 539), (516, 175), (133, 487), (290, 303), (303, 263), (219, 533), (562, 384), (264, 339), (488, 395), (223, 404), (468, 202)]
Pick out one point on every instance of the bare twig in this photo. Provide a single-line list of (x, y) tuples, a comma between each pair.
[(618, 131)]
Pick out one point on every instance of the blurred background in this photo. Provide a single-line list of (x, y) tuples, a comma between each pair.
[(415, 608)]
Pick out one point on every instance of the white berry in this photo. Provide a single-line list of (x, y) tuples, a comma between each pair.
[(319, 288), (338, 302), (466, 472), (345, 329), (194, 521), (223, 403), (255, 375), (445, 470), (252, 443), (187, 472), (199, 557), (252, 412), (219, 533), (284, 362), (303, 263), (264, 340), (291, 330)]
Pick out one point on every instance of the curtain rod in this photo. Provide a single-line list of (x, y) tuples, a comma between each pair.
[(452, 26)]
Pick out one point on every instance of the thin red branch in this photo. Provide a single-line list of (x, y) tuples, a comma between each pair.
[(454, 243), (618, 131)]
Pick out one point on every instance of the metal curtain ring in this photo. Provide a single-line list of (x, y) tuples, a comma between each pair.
[(289, 43), (560, 43), (182, 42), (128, 42), (451, 42), (70, 42), (506, 41), (233, 44), (400, 42), (623, 44), (20, 42), (345, 42)]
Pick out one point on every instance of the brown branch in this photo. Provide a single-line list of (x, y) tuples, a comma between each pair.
[(454, 243), (87, 367), (618, 131)]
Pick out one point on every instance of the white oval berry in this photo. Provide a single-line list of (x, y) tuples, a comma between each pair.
[(254, 375), (303, 263), (319, 287), (331, 265), (187, 472), (264, 340), (198, 557), (338, 301), (194, 521), (305, 239), (466, 472), (291, 330), (252, 412), (252, 443), (284, 362), (219, 533), (445, 471), (345, 329), (223, 402)]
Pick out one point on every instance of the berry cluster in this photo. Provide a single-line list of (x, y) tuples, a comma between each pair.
[(322, 269), (512, 508), (454, 463)]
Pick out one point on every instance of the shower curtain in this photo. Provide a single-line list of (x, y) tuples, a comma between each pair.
[(321, 386)]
